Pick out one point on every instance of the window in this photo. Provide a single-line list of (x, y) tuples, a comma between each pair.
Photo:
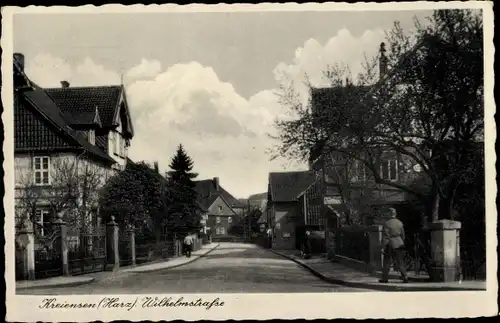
[(389, 169), (112, 143), (220, 230), (91, 136), (122, 147), (95, 219), (217, 219), (117, 143), (229, 219), (42, 220), (220, 208), (360, 172), (41, 170)]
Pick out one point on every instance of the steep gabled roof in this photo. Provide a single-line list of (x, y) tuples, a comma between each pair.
[(49, 111), (287, 186), (82, 102), (323, 99), (207, 194), (41, 125)]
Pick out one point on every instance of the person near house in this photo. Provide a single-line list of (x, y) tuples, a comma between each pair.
[(393, 246), (307, 244), (269, 238), (188, 245)]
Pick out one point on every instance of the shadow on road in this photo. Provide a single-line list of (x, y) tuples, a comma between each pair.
[(243, 253)]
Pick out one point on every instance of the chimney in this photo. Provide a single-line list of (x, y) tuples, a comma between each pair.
[(64, 84), (382, 61), (157, 169), (20, 59), (216, 183)]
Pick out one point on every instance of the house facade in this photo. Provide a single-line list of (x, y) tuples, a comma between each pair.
[(349, 186), (287, 213), (61, 151), (223, 211)]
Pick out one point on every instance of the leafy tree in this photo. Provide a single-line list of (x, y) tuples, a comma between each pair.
[(427, 109), (182, 207), (135, 196)]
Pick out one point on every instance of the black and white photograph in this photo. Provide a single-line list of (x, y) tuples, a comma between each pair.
[(203, 160)]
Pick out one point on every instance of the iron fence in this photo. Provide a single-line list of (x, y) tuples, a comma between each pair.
[(417, 252), (87, 252), (150, 248), (48, 254), (472, 262), (353, 243)]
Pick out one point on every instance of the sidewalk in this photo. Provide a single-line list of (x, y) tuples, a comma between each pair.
[(336, 273), (60, 281), (175, 262), (70, 281)]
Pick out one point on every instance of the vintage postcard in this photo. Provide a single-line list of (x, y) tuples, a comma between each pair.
[(249, 161)]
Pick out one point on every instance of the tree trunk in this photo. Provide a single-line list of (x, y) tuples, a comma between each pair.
[(158, 234), (435, 207)]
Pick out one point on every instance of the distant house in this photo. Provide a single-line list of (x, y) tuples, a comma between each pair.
[(287, 209), (61, 141), (223, 209), (258, 201)]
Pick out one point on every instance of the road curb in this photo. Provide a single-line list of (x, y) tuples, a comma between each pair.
[(173, 266), (374, 286), (62, 285)]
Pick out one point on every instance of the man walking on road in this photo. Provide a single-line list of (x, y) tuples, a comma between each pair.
[(188, 245), (393, 246)]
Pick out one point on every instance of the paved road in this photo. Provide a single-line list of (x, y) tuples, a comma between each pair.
[(231, 268)]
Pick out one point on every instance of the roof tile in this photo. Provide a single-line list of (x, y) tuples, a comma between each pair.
[(286, 186)]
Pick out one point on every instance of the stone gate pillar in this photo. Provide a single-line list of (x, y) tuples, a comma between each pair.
[(25, 239), (445, 250), (113, 255), (375, 242), (131, 238), (62, 241)]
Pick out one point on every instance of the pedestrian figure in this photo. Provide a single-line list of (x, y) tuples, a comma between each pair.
[(188, 245), (269, 238), (393, 247), (307, 245)]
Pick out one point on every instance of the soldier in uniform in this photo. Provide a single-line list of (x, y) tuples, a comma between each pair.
[(393, 246)]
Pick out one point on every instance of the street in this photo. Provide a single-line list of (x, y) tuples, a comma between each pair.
[(231, 268)]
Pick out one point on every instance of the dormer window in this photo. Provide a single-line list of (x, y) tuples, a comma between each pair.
[(91, 136)]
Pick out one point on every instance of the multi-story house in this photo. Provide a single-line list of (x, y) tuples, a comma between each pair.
[(67, 142), (223, 211), (348, 185)]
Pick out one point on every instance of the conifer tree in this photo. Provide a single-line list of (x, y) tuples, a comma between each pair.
[(182, 207)]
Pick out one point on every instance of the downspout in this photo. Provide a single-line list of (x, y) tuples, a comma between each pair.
[(305, 209), (78, 157)]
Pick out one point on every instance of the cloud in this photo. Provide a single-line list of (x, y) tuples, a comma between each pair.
[(225, 134), (49, 71), (313, 58), (145, 70)]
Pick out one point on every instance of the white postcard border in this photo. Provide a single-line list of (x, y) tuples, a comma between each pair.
[(261, 306)]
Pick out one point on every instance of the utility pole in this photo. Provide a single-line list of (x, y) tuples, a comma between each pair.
[(244, 226), (249, 220)]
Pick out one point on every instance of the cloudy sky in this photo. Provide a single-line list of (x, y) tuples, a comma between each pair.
[(206, 80)]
